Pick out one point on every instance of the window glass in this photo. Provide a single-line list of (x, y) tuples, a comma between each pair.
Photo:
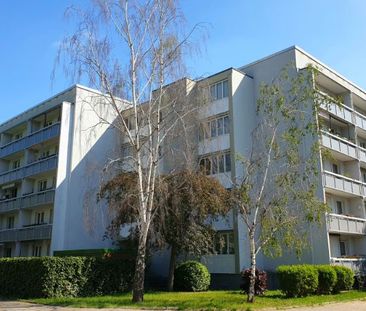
[(219, 90), (342, 248), (339, 208), (214, 165), (226, 125), (213, 128), (225, 88), (224, 243), (220, 126), (208, 166), (221, 163), (335, 169), (227, 162)]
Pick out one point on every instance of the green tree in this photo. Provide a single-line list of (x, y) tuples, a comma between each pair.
[(277, 191), (188, 204)]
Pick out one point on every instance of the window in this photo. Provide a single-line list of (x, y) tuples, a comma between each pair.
[(39, 218), (363, 144), (335, 169), (219, 90), (45, 154), (7, 252), (342, 248), (339, 207), (224, 243), (363, 172), (216, 163), (16, 164), (36, 250), (42, 185), (10, 222), (216, 127), (51, 217), (18, 136)]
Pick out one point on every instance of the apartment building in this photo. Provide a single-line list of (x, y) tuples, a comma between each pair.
[(50, 157)]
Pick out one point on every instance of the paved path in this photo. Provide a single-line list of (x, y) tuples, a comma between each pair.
[(21, 306)]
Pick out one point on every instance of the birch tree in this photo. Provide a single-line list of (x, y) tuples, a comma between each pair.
[(130, 50), (276, 196)]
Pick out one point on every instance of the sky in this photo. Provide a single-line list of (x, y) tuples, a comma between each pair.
[(239, 32)]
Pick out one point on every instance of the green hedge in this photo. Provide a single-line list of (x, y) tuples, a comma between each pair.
[(191, 276), (303, 280), (298, 280), (63, 277), (345, 279), (327, 277)]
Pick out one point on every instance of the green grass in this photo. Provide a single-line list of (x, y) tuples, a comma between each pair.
[(228, 300)]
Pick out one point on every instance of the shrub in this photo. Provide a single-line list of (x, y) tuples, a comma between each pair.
[(298, 280), (345, 278), (191, 276), (260, 281), (62, 277), (327, 279)]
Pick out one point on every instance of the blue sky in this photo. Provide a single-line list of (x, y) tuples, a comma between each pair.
[(240, 31)]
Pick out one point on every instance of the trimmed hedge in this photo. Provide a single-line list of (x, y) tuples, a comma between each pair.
[(260, 281), (298, 280), (191, 276), (303, 280), (345, 279), (327, 279), (46, 277)]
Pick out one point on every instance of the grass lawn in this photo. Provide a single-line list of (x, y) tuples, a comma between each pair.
[(229, 300)]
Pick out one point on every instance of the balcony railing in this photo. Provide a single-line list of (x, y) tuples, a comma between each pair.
[(360, 120), (30, 140), (346, 224), (39, 232), (10, 204), (355, 264), (342, 183), (34, 168), (339, 144), (8, 235), (40, 198), (28, 201), (340, 110)]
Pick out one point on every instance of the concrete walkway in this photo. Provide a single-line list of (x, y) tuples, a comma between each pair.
[(22, 306)]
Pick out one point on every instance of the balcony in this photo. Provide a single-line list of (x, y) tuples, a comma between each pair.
[(38, 199), (353, 263), (30, 140), (10, 204), (340, 110), (34, 168), (35, 232), (338, 144), (342, 183), (346, 224), (28, 201), (8, 235), (360, 120)]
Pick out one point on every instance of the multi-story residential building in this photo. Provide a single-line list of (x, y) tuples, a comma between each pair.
[(50, 157)]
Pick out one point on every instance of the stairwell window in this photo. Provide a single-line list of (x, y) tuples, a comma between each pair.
[(224, 243), (217, 126), (216, 163), (219, 90)]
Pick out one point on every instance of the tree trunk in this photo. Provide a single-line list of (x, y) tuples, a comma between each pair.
[(251, 292), (139, 277), (173, 260)]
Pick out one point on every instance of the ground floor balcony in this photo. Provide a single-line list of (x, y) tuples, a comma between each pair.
[(356, 264), (27, 233), (28, 201), (346, 224), (339, 184)]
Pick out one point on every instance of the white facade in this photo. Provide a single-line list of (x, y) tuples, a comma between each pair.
[(51, 156)]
